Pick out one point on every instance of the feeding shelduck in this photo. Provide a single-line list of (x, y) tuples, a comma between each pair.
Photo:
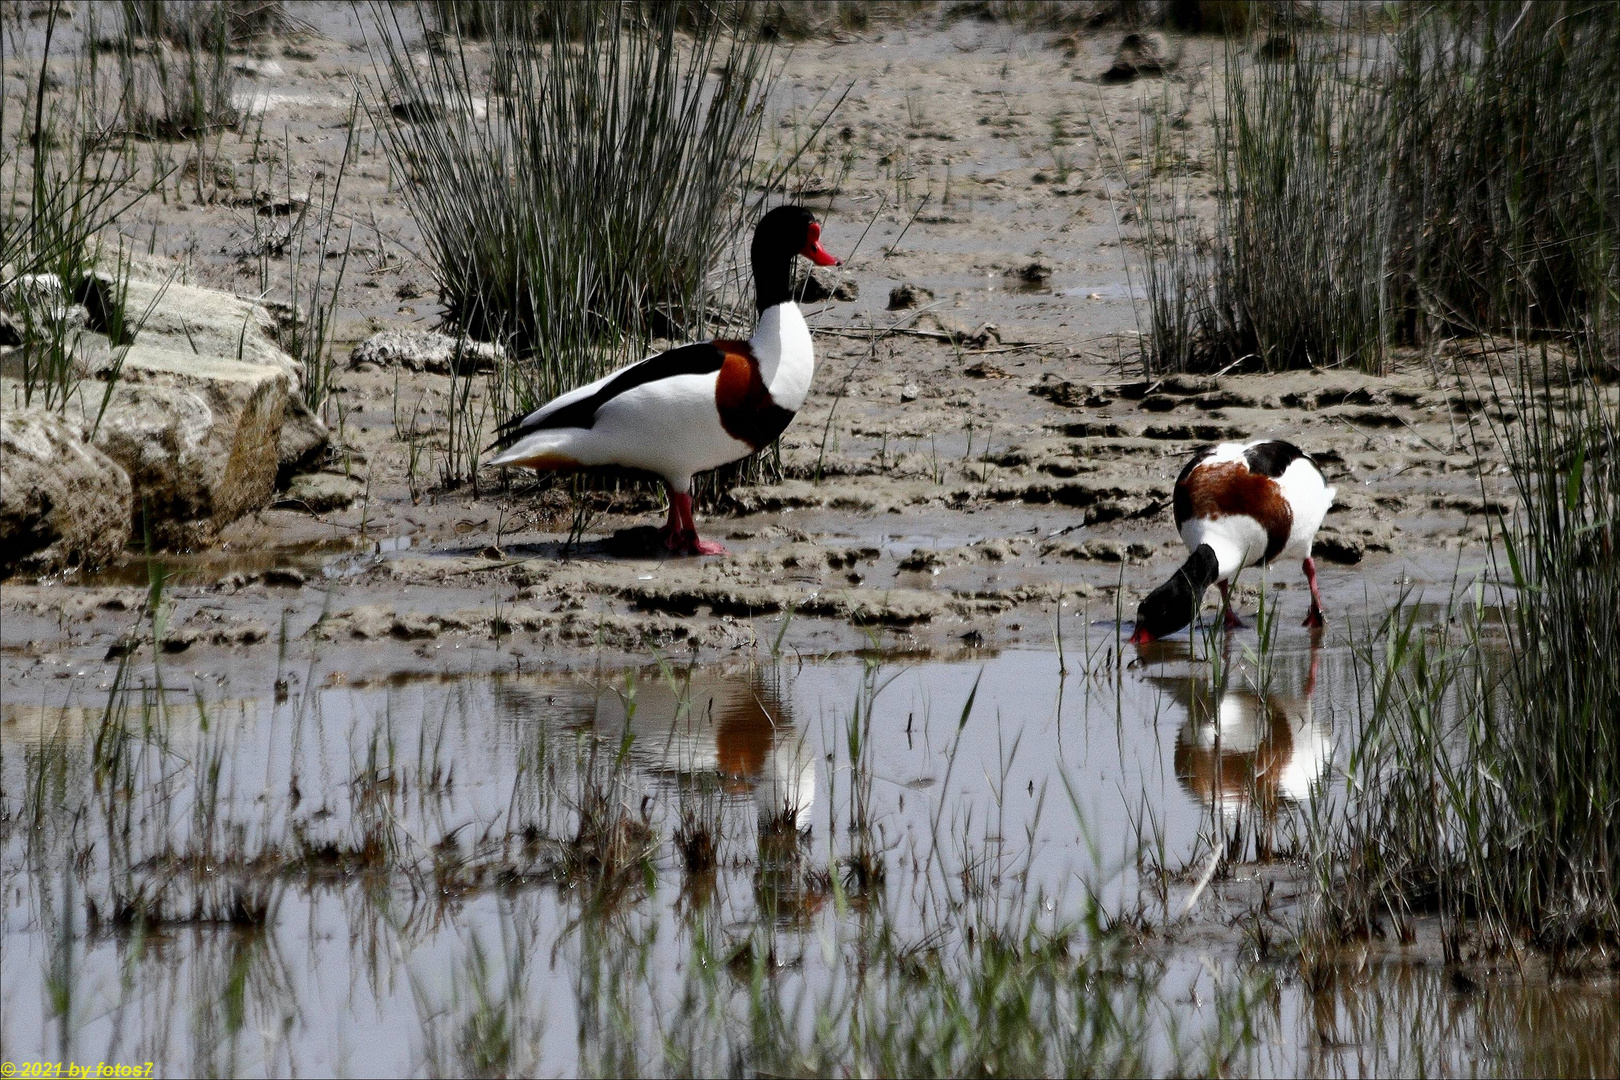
[(693, 408), (1238, 505)]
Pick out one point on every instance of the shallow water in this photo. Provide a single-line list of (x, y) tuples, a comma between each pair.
[(333, 882)]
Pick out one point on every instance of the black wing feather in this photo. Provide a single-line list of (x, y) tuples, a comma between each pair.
[(1273, 458), (699, 359)]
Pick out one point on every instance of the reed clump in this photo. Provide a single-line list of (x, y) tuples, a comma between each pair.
[(67, 181), (575, 176), (1486, 783), (176, 72), (1454, 174)]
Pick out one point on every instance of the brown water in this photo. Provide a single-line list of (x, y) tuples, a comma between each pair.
[(225, 884)]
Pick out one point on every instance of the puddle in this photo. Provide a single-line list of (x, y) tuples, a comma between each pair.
[(325, 882), (336, 558)]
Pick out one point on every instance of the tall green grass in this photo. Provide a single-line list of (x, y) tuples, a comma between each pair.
[(66, 182), (1457, 173), (576, 175), (176, 77), (1486, 783)]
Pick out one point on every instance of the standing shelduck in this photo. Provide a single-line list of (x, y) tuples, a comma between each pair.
[(693, 408), (1238, 505)]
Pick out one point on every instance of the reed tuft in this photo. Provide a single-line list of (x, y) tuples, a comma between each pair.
[(1453, 174)]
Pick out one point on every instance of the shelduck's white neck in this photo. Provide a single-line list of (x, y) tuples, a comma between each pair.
[(787, 362)]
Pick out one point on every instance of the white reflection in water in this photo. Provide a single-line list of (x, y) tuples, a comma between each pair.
[(1247, 754)]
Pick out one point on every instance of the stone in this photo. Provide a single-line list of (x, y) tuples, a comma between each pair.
[(206, 322), (199, 437), (425, 351), (818, 286), (62, 502), (39, 293), (908, 295), (210, 323), (1034, 274), (322, 491), (302, 438), (1143, 54)]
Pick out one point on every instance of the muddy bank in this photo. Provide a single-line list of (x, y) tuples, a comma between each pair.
[(963, 467), (391, 671)]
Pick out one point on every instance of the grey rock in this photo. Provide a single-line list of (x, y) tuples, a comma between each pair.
[(199, 437), (207, 323), (11, 331), (419, 351), (818, 286), (1143, 54), (322, 491), (62, 502), (39, 293), (302, 438), (189, 336), (908, 295)]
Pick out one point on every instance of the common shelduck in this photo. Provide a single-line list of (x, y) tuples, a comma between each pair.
[(1238, 505), (693, 408)]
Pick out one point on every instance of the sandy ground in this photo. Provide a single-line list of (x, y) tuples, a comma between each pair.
[(937, 495)]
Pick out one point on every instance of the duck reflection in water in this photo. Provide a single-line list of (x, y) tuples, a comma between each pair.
[(705, 731), (1245, 754)]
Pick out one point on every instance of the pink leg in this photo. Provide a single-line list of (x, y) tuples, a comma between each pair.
[(671, 531), (1232, 621), (1314, 617), (682, 537)]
